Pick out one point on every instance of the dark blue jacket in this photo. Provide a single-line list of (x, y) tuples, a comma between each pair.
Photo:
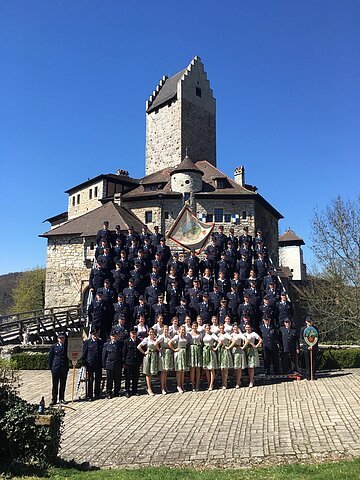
[(92, 350), (58, 360)]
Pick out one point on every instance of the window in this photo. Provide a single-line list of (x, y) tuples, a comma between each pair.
[(166, 215), (90, 194), (67, 281), (218, 214), (151, 187), (148, 216), (209, 217), (92, 246), (186, 196), (78, 199), (73, 201), (244, 215), (95, 191), (187, 182), (220, 183), (198, 92), (227, 217)]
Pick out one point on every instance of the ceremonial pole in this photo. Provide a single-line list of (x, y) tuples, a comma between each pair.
[(311, 336), (74, 352)]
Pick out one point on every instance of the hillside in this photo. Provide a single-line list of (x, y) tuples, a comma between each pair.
[(7, 283)]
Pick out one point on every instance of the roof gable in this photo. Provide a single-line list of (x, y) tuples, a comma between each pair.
[(88, 224)]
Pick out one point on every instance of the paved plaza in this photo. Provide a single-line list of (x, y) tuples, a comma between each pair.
[(292, 421)]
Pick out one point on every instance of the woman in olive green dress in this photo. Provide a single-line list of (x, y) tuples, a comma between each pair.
[(252, 343), (151, 359), (209, 356), (195, 356), (166, 358), (224, 355), (178, 345), (237, 349)]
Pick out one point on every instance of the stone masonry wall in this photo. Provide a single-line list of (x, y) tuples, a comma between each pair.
[(66, 272), (86, 203), (198, 132), (163, 137)]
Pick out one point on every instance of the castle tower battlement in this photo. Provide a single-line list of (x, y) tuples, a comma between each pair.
[(180, 114)]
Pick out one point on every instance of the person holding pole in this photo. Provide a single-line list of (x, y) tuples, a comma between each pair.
[(59, 366), (309, 336)]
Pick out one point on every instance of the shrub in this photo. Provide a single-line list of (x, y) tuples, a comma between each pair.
[(30, 361), (342, 358), (20, 439)]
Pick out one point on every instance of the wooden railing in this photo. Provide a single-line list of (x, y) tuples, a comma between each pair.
[(41, 325)]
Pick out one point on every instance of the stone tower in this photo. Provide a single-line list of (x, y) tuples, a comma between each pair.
[(180, 114)]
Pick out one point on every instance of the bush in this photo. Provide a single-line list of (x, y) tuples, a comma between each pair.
[(20, 439), (30, 361), (337, 359)]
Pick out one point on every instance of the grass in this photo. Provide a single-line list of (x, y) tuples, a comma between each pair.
[(344, 470)]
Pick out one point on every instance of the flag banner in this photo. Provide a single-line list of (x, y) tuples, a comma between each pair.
[(189, 232)]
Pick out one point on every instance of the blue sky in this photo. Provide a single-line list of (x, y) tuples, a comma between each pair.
[(74, 77)]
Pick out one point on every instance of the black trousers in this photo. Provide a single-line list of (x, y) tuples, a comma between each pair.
[(132, 374), (289, 362), (93, 378), (113, 380), (271, 357), (58, 385)]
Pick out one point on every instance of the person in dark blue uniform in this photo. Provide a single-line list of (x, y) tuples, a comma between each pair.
[(112, 362), (91, 358), (269, 335), (289, 345), (132, 359), (104, 234), (59, 366)]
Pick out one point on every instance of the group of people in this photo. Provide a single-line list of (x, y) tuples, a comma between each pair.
[(195, 314)]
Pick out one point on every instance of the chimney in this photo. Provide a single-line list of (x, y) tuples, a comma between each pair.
[(117, 199), (239, 175)]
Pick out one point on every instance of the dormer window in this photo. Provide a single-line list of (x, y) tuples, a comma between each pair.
[(198, 92), (221, 183), (152, 187)]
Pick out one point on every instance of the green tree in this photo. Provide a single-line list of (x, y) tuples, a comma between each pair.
[(332, 293), (29, 292)]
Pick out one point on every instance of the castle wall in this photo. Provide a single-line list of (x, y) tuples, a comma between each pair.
[(80, 201), (163, 137), (198, 132), (66, 272), (229, 206)]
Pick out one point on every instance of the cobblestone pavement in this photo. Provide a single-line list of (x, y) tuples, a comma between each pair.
[(292, 421)]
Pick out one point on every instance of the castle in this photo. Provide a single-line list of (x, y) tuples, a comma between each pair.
[(180, 167)]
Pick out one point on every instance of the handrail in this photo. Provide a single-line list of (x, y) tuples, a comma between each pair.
[(36, 313)]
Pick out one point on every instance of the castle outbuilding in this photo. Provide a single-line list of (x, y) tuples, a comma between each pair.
[(180, 167)]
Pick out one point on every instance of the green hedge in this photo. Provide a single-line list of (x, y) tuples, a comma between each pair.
[(329, 359), (30, 361), (337, 359)]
